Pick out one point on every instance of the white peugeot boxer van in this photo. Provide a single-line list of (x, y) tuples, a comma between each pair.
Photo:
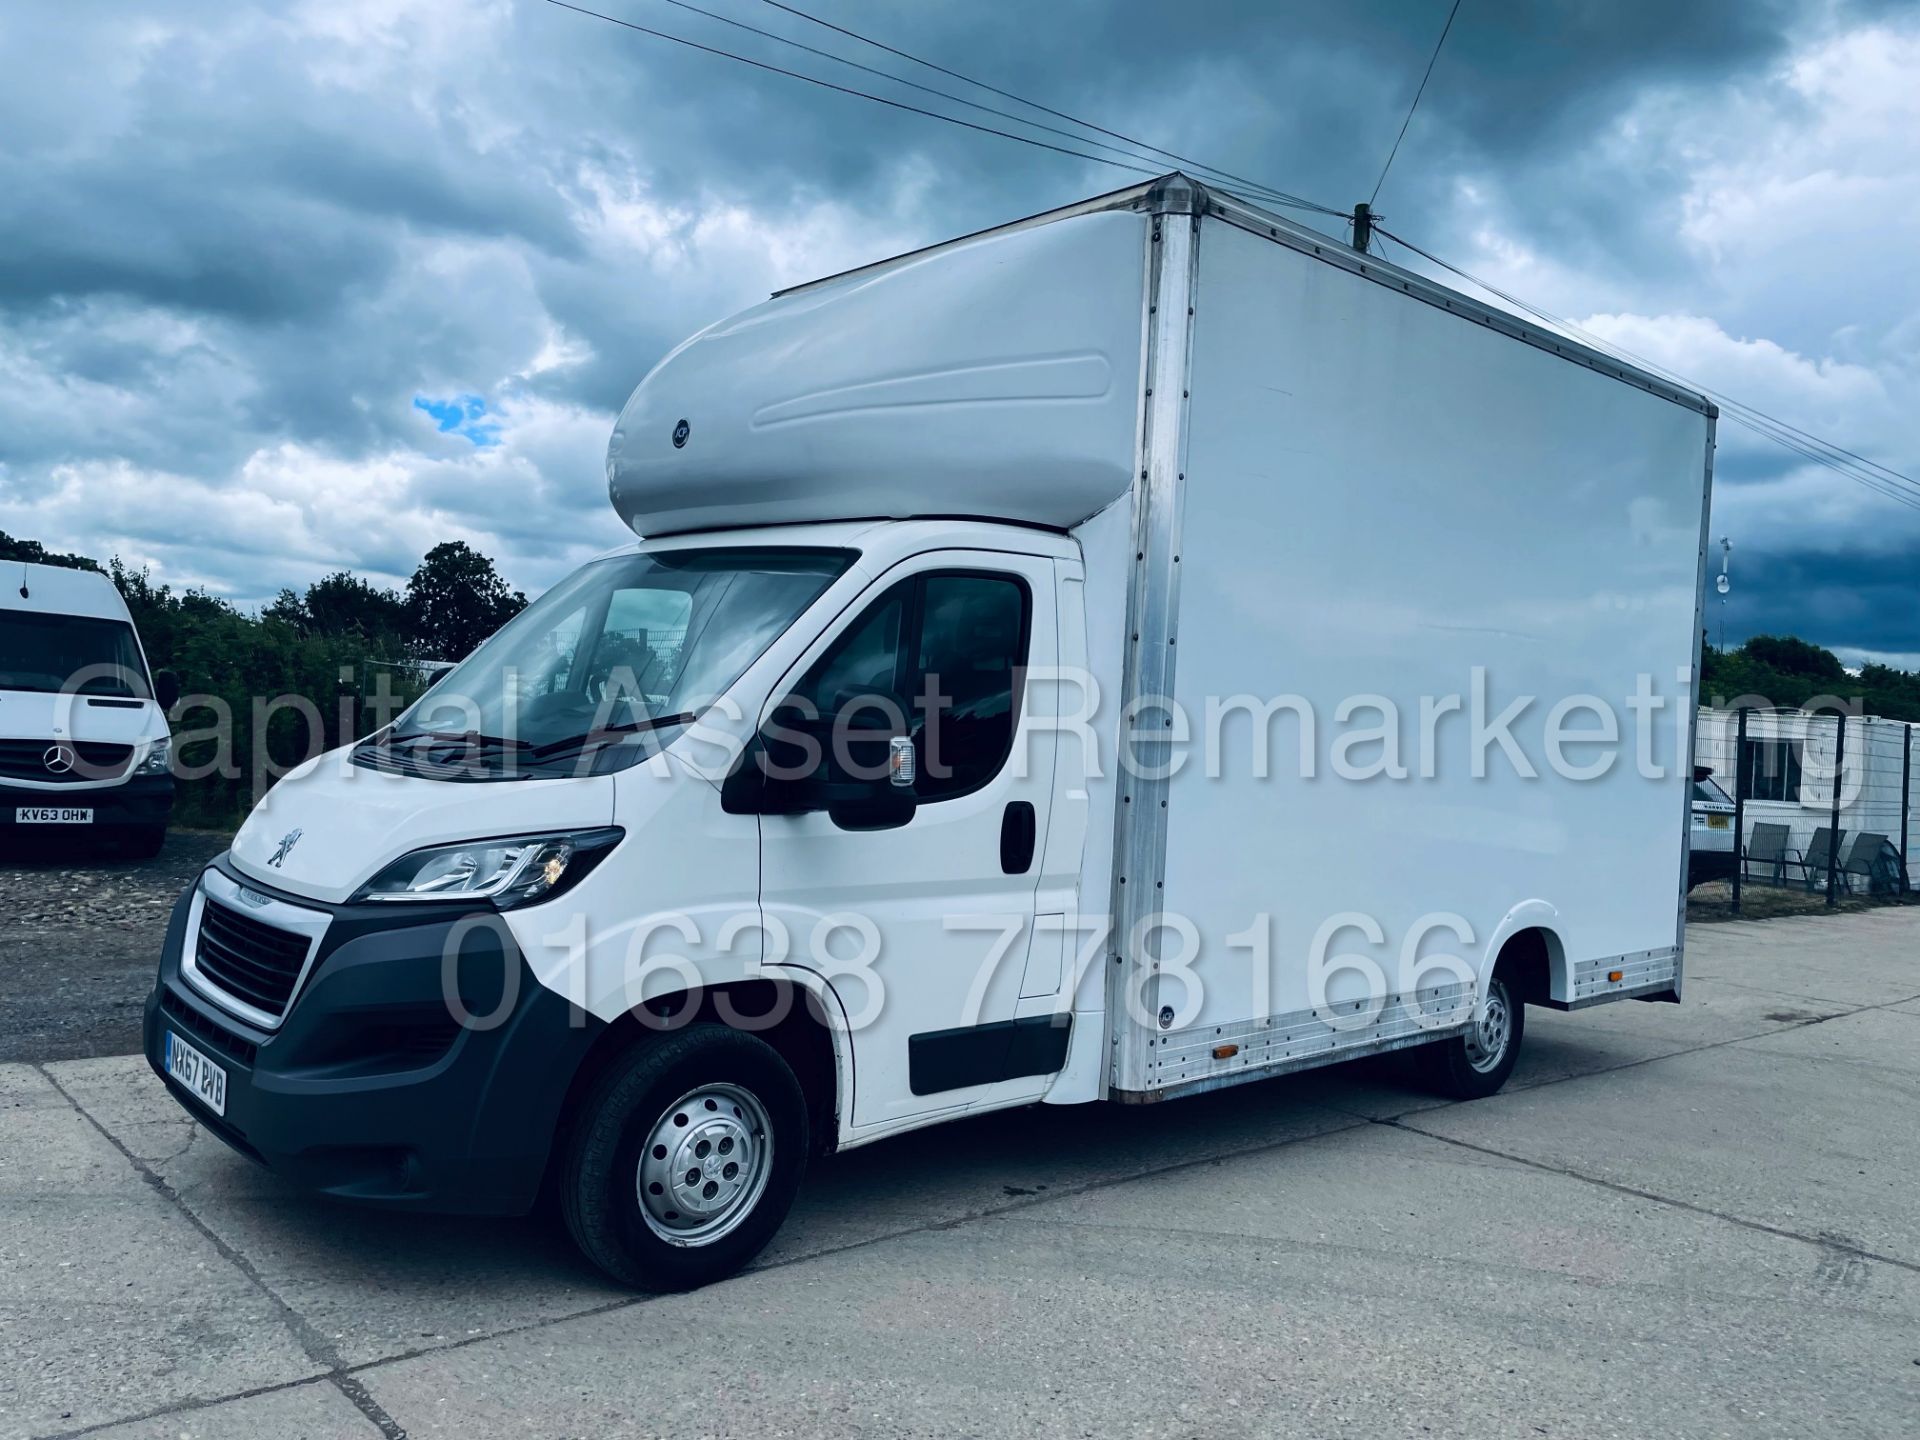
[(1142, 649), (84, 744)]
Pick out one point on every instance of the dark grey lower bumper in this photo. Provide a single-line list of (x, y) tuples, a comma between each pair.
[(371, 1090)]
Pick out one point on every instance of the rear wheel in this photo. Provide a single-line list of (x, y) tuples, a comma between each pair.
[(685, 1158), (1476, 1063)]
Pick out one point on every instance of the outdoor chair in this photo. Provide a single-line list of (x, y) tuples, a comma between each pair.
[(1768, 846), (1890, 871), (1861, 858), (1821, 852)]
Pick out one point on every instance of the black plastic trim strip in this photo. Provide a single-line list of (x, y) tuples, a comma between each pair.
[(939, 1060)]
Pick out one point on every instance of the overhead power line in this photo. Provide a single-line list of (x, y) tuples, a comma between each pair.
[(1280, 197), (846, 89), (1296, 201), (1881, 479), (1890, 483), (1444, 30)]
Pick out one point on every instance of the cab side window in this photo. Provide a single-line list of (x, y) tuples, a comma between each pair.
[(971, 660), (946, 649), (865, 660)]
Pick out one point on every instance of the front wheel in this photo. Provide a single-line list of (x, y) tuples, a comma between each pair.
[(685, 1158), (1475, 1064)]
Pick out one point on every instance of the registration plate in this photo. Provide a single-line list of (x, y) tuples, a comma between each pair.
[(1718, 822), (206, 1080), (52, 815)]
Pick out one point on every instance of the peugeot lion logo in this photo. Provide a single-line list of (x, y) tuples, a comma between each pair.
[(287, 842), (59, 759)]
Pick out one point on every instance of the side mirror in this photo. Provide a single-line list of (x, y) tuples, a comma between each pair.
[(859, 768), (868, 734), (878, 806), (166, 689)]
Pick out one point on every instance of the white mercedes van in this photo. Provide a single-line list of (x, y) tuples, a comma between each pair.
[(84, 744)]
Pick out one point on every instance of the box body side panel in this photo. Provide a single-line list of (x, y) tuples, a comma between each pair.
[(1398, 525)]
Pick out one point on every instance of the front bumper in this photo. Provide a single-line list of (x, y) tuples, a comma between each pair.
[(370, 1089), (139, 800)]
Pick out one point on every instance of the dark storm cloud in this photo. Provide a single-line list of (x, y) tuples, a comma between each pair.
[(1853, 602), (238, 242)]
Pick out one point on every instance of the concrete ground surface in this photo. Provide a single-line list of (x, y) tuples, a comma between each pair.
[(1687, 1221)]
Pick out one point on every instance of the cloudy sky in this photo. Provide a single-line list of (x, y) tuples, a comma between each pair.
[(286, 288)]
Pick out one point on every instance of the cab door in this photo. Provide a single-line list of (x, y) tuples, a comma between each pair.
[(923, 929)]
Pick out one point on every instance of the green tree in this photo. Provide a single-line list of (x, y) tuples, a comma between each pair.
[(342, 604), (34, 553), (455, 600), (262, 693), (1790, 655), (1785, 671)]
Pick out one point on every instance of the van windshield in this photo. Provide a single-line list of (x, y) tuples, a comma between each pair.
[(627, 644), (75, 653)]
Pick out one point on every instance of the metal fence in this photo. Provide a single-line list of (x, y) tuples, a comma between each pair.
[(1851, 776)]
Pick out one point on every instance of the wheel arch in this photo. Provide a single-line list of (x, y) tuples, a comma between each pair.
[(809, 1032), (1527, 942)]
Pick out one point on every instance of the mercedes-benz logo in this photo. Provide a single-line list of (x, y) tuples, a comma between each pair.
[(59, 759)]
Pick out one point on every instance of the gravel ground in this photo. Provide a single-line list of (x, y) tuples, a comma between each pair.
[(79, 937)]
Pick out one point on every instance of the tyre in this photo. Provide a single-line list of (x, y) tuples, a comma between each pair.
[(684, 1158), (143, 842), (1476, 1064)]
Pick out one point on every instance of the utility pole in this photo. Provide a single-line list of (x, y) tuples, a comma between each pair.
[(1362, 227), (1723, 584), (1741, 784), (1833, 825)]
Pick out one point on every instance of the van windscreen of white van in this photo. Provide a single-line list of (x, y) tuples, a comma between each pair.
[(622, 646), (75, 653)]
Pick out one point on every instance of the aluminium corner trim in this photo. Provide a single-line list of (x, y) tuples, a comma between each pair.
[(1140, 806), (1686, 762)]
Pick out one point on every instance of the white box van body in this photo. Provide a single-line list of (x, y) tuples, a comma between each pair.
[(1137, 650), (84, 743)]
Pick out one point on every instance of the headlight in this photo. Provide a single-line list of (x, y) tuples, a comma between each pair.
[(514, 870), (159, 755)]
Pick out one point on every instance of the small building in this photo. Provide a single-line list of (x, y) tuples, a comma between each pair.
[(1790, 773)]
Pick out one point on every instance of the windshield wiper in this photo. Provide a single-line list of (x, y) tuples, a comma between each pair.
[(443, 747), (472, 739), (608, 732)]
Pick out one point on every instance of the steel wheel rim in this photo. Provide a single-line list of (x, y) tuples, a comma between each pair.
[(705, 1165), (1487, 1041)]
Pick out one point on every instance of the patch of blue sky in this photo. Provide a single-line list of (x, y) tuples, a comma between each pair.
[(463, 415)]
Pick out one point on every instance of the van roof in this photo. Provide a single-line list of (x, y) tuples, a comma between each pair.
[(57, 590), (1177, 193)]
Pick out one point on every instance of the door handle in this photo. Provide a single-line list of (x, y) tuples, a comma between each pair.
[(1017, 831)]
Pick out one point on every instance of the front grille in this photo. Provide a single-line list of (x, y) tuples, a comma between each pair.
[(75, 761), (253, 962)]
